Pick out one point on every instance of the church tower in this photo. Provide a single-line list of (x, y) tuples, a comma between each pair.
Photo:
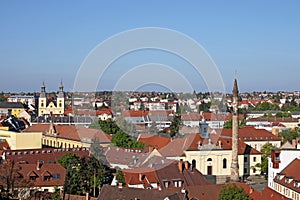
[(61, 99), (42, 100), (203, 125), (235, 135)]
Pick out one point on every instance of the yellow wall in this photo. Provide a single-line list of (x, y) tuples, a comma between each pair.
[(24, 140), (59, 142)]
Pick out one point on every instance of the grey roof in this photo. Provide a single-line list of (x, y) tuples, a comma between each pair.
[(11, 105)]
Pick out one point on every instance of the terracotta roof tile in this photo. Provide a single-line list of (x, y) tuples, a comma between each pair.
[(154, 140)]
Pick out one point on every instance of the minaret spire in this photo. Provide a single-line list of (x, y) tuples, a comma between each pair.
[(235, 135)]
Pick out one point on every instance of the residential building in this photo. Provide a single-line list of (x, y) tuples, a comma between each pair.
[(287, 181), (278, 161), (11, 108), (68, 136), (255, 138), (23, 140)]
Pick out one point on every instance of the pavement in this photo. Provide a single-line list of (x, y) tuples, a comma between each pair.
[(257, 182)]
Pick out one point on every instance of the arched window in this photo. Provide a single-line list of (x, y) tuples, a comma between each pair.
[(193, 163), (209, 160), (224, 163)]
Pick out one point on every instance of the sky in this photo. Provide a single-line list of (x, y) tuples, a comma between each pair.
[(50, 40)]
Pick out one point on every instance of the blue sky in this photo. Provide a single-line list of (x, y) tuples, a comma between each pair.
[(49, 40)]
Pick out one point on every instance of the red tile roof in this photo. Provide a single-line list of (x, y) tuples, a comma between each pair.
[(27, 170), (249, 133), (169, 172), (177, 146), (71, 132), (154, 140), (134, 113), (290, 176), (47, 155)]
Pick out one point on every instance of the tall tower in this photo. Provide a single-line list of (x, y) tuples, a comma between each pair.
[(203, 125), (235, 134), (42, 100), (61, 99)]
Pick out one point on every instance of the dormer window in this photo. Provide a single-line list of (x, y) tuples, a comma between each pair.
[(166, 184)]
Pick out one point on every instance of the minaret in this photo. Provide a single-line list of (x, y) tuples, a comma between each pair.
[(235, 134)]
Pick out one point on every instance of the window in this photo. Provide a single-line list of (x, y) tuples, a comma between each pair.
[(254, 159), (180, 183), (224, 163), (245, 159), (193, 163), (166, 184), (55, 176), (47, 178), (209, 160), (245, 170), (254, 170)]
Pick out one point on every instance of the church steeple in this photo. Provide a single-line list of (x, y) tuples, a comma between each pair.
[(43, 91), (61, 90), (235, 134)]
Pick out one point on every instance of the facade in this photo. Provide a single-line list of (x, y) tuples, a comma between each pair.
[(46, 107), (177, 174), (256, 138), (11, 108), (287, 182), (22, 140), (69, 136), (24, 99), (278, 161)]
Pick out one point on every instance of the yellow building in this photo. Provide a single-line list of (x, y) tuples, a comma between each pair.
[(54, 107), (13, 108), (69, 136), (23, 140)]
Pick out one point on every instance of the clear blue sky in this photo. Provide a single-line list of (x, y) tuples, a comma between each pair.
[(48, 40)]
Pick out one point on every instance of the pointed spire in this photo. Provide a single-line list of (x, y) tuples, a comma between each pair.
[(61, 90), (43, 90), (235, 90)]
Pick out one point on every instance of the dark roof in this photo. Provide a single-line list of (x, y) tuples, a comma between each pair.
[(111, 192), (47, 155), (11, 105)]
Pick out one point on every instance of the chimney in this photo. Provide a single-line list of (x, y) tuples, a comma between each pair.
[(141, 177), (120, 186), (38, 165), (180, 165), (251, 190), (186, 165), (150, 149), (294, 143), (87, 196)]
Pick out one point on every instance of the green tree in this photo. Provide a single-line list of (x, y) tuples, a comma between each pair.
[(120, 177), (228, 124), (175, 125), (266, 106), (266, 152), (84, 174), (97, 151), (204, 107), (232, 192), (56, 194), (289, 135)]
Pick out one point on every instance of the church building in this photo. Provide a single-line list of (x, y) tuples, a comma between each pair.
[(51, 107)]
